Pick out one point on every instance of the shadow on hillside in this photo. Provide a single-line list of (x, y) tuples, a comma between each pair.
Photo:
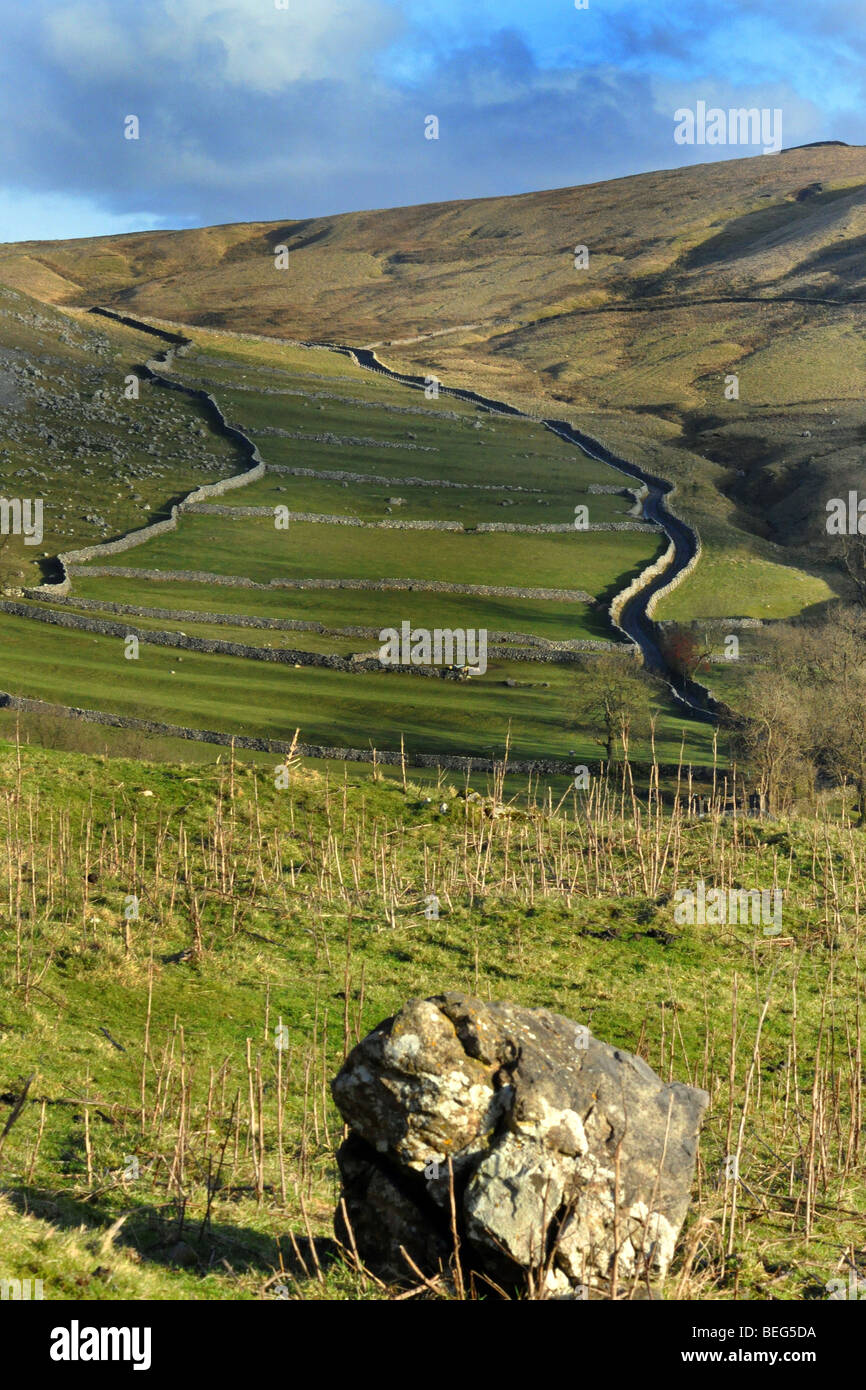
[(842, 259), (607, 595), (738, 239), (465, 955), (50, 569), (821, 609), (160, 1235)]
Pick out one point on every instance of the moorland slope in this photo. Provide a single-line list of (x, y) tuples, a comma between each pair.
[(750, 267)]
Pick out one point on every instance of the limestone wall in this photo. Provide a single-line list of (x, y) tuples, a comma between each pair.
[(455, 762), (285, 656), (256, 470), (251, 620), (233, 581)]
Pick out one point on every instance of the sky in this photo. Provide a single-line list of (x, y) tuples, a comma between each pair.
[(253, 110)]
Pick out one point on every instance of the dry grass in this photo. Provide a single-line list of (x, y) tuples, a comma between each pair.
[(299, 915)]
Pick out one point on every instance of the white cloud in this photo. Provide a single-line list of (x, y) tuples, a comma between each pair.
[(88, 39), (802, 120), (245, 43)]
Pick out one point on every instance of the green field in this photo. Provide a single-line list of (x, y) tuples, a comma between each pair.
[(331, 707), (498, 456), (732, 582), (336, 608), (517, 471), (252, 547), (548, 505)]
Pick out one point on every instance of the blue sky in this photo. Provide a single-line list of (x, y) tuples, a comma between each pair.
[(248, 111)]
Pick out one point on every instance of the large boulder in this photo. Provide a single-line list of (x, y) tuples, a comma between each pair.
[(568, 1158)]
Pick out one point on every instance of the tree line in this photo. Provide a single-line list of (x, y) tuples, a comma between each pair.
[(800, 721)]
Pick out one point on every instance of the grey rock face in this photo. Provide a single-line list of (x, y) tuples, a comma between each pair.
[(568, 1156)]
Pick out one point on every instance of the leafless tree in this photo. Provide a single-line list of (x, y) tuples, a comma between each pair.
[(614, 697)]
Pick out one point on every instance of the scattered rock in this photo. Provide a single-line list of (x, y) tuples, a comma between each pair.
[(535, 1115)]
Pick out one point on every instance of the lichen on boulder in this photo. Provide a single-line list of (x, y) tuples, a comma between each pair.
[(567, 1159)]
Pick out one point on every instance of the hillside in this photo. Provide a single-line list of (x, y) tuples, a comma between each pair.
[(167, 923), (101, 464), (752, 266), (203, 915), (777, 227), (400, 510)]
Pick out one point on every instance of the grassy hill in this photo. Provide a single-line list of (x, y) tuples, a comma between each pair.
[(342, 445), (165, 1148), (168, 905), (102, 463), (749, 266)]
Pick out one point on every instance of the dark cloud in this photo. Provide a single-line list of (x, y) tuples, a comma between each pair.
[(247, 113)]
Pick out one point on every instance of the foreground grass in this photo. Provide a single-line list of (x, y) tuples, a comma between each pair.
[(168, 1149)]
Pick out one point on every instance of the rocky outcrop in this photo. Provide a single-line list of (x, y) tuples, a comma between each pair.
[(150, 371), (569, 1158)]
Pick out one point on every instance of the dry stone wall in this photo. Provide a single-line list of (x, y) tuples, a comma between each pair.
[(677, 578), (567, 526), (323, 519), (341, 476), (285, 656), (346, 440), (177, 344), (640, 582), (396, 524), (256, 470), (456, 762), (234, 581), (188, 615)]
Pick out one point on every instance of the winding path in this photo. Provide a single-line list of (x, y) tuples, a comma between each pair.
[(634, 616)]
